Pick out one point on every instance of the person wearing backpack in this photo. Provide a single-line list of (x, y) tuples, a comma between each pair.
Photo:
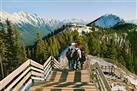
[(68, 55), (71, 58), (82, 59), (76, 58)]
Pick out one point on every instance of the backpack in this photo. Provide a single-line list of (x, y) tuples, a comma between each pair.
[(75, 55), (68, 55), (83, 57)]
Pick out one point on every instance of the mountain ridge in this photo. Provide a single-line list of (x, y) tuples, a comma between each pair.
[(29, 24), (107, 21)]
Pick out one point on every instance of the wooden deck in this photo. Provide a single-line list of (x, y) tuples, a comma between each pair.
[(66, 80)]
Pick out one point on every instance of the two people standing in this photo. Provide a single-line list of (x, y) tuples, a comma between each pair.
[(75, 57)]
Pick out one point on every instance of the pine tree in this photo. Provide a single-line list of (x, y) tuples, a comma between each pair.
[(11, 48), (54, 46), (41, 49), (83, 42), (75, 35), (2, 50), (96, 44), (13, 52), (29, 53), (21, 53), (62, 40), (103, 48), (113, 50)]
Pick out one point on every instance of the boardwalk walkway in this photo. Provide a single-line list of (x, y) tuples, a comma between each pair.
[(36, 77), (66, 80)]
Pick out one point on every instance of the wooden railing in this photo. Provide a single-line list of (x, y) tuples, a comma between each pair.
[(102, 81), (96, 72), (112, 70), (24, 76)]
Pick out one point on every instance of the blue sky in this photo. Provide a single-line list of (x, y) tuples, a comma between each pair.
[(80, 9)]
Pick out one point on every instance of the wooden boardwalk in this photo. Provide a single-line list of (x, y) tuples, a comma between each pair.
[(36, 77), (66, 80)]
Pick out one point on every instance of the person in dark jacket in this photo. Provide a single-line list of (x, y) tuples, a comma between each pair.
[(68, 55), (82, 59), (76, 58)]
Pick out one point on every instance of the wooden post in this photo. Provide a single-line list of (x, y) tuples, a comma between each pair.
[(52, 63), (112, 69), (105, 68), (1, 64)]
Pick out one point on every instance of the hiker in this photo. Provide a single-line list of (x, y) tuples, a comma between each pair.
[(82, 59), (76, 58), (71, 58), (68, 55)]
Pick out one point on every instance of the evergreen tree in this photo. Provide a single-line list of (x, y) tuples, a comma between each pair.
[(96, 45), (41, 49), (11, 48), (28, 53), (104, 48), (62, 41), (113, 49), (21, 53), (89, 38), (83, 42), (75, 35), (54, 46), (2, 50), (13, 52)]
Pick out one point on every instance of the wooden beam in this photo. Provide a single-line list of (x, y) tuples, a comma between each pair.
[(17, 87), (18, 79), (12, 75)]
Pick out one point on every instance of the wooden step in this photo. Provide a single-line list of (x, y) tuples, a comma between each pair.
[(70, 76), (66, 80), (62, 89)]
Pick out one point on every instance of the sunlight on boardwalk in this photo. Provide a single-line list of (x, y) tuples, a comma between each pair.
[(66, 80)]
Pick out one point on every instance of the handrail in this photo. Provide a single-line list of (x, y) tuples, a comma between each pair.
[(24, 76), (89, 69), (112, 70), (102, 81), (10, 77)]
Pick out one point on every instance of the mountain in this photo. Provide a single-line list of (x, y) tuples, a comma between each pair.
[(29, 24), (107, 21)]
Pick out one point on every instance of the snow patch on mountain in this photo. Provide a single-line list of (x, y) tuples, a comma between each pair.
[(30, 24), (79, 27)]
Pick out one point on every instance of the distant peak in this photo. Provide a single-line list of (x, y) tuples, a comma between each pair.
[(107, 21)]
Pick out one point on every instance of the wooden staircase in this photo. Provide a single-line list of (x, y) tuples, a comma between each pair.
[(65, 80), (32, 76)]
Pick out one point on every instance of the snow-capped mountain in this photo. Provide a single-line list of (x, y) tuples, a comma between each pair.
[(107, 21), (30, 24)]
